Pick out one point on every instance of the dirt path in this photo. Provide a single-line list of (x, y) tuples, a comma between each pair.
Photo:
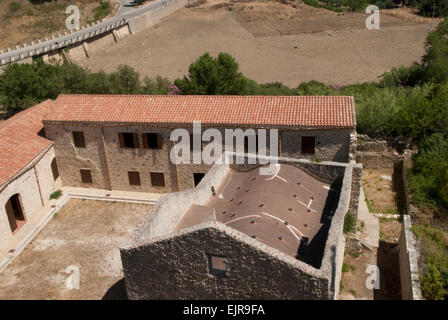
[(308, 45), (85, 234)]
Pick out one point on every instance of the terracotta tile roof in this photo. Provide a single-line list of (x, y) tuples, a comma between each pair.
[(19, 142), (306, 111)]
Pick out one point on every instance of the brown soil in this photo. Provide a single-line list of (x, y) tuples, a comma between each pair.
[(40, 20), (384, 196), (353, 282), (86, 234), (389, 230), (271, 42)]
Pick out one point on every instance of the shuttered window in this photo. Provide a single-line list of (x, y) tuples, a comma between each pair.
[(78, 139), (128, 140), (157, 179), (86, 176), (134, 178), (152, 140), (54, 169), (308, 145)]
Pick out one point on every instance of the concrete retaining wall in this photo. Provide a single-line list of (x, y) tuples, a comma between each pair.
[(154, 16), (114, 29)]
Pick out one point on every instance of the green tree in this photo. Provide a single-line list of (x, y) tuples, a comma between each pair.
[(208, 75), (125, 81), (23, 85), (435, 61)]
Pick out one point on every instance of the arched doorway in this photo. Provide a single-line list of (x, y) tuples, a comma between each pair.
[(15, 213)]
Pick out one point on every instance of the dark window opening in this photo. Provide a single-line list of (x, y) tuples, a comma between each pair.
[(14, 212), (218, 266), (134, 178), (157, 179), (197, 178), (78, 138), (86, 176), (152, 141), (128, 140), (54, 169), (308, 145), (246, 143)]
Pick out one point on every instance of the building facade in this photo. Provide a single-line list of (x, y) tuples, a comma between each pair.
[(123, 142)]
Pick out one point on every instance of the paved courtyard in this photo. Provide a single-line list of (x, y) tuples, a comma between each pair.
[(84, 235)]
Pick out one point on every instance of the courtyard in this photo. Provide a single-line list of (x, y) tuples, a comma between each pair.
[(84, 235)]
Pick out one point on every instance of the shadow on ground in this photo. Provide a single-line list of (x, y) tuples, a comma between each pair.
[(387, 261), (116, 292)]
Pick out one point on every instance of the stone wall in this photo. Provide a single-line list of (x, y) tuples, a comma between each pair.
[(355, 188), (408, 260), (166, 269), (71, 159), (157, 264), (331, 144)]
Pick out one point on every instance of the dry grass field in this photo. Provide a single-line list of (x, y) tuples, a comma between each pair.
[(23, 21), (272, 41)]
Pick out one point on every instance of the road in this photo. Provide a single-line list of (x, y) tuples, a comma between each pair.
[(126, 12)]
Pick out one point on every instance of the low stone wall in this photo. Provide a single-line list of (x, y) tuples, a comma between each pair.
[(408, 259), (355, 188)]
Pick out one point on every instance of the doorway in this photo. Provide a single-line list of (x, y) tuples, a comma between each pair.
[(15, 213)]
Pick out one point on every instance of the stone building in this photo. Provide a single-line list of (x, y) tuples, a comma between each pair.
[(28, 169), (242, 235), (123, 142)]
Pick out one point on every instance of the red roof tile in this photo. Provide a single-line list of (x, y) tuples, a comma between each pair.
[(306, 111), (19, 142)]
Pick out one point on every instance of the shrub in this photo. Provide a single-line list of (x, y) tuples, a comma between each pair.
[(56, 195), (349, 223)]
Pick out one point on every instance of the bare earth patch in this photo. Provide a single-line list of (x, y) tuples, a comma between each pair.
[(382, 190), (271, 42), (22, 21), (84, 233)]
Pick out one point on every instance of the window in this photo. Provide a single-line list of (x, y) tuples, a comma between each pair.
[(78, 138), (134, 178), (152, 141), (157, 179), (308, 145), (218, 266), (197, 177), (128, 140), (54, 169), (246, 143), (86, 176)]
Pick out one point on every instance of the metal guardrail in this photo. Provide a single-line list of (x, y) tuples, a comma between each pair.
[(73, 37)]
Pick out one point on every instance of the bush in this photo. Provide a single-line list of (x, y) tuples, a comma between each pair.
[(349, 223), (56, 195)]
